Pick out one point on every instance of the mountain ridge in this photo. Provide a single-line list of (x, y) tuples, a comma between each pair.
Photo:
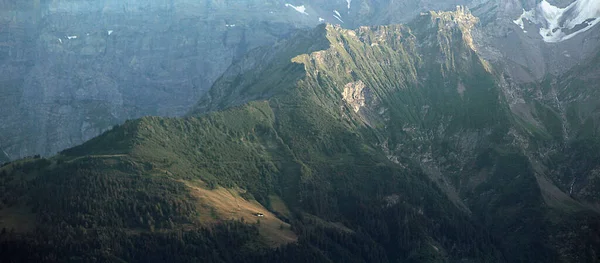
[(97, 64)]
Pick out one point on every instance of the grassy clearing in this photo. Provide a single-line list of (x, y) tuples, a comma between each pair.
[(228, 204)]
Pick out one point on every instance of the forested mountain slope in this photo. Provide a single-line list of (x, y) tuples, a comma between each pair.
[(382, 144)]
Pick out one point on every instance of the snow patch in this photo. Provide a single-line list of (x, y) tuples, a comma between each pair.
[(5, 153), (72, 37), (349, 2), (559, 24), (321, 19), (109, 32), (529, 15), (232, 25), (337, 16), (60, 40), (301, 9)]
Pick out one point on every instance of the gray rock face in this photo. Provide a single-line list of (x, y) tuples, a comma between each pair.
[(77, 68)]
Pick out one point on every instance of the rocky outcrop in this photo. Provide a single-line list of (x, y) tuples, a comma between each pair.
[(354, 95)]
